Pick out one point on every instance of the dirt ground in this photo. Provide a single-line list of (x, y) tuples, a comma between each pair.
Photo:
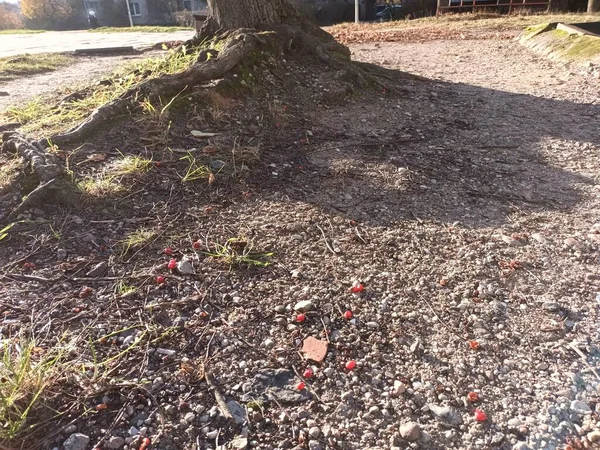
[(457, 219)]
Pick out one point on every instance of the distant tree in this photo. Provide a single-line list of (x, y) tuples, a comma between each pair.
[(52, 14), (10, 18)]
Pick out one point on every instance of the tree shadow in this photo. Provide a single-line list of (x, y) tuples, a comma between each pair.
[(445, 152)]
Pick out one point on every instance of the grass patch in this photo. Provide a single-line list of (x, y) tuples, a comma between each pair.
[(43, 114), (140, 29), (9, 169), (130, 165), (137, 239), (28, 373), (21, 31), (24, 65), (102, 186), (239, 251)]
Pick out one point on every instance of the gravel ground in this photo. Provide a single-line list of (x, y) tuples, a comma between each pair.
[(437, 250)]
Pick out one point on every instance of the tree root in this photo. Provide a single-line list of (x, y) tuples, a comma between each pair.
[(44, 171), (238, 46)]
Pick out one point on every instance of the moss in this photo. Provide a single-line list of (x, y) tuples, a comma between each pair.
[(582, 48)]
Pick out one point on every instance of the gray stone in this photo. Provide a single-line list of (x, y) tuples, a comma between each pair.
[(115, 443), (277, 384), (520, 446), (99, 270), (551, 307), (217, 164), (76, 441), (133, 431), (190, 417), (446, 415), (280, 309), (593, 436), (61, 254), (580, 407), (304, 306), (410, 431), (239, 443), (237, 411), (70, 429), (185, 266), (4, 94), (268, 343), (314, 432), (212, 434)]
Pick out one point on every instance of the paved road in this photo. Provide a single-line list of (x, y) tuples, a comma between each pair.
[(65, 41)]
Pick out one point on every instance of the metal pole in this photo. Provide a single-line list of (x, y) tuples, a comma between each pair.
[(356, 11), (129, 13)]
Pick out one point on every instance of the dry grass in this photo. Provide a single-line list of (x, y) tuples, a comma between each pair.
[(465, 22), (9, 169), (44, 115), (24, 65), (130, 165), (21, 31), (28, 374), (100, 187), (140, 29)]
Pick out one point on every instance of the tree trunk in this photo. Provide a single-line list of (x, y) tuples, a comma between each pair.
[(259, 14), (593, 6)]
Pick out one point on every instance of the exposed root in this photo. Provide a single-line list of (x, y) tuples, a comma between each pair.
[(237, 48), (43, 171)]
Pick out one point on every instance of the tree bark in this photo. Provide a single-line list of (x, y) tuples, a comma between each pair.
[(593, 6), (258, 14)]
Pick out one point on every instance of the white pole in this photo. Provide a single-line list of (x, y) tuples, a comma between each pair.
[(356, 11), (129, 13)]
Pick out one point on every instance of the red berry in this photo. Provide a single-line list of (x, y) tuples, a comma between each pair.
[(473, 397), (350, 365), (348, 315), (473, 345), (480, 416), (300, 317), (172, 264), (168, 251), (301, 386), (358, 288), (196, 245), (308, 373), (160, 279)]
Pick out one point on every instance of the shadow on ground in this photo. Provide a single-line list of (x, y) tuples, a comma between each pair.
[(446, 152)]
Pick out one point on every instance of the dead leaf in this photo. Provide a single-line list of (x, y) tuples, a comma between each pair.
[(202, 134)]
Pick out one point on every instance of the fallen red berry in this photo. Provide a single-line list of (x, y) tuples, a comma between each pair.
[(85, 291), (196, 245), (301, 386), (145, 444), (168, 251), (300, 317), (480, 416), (358, 288), (473, 397), (172, 264), (350, 365), (308, 373), (473, 345), (348, 315), (101, 407), (28, 266), (160, 279)]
